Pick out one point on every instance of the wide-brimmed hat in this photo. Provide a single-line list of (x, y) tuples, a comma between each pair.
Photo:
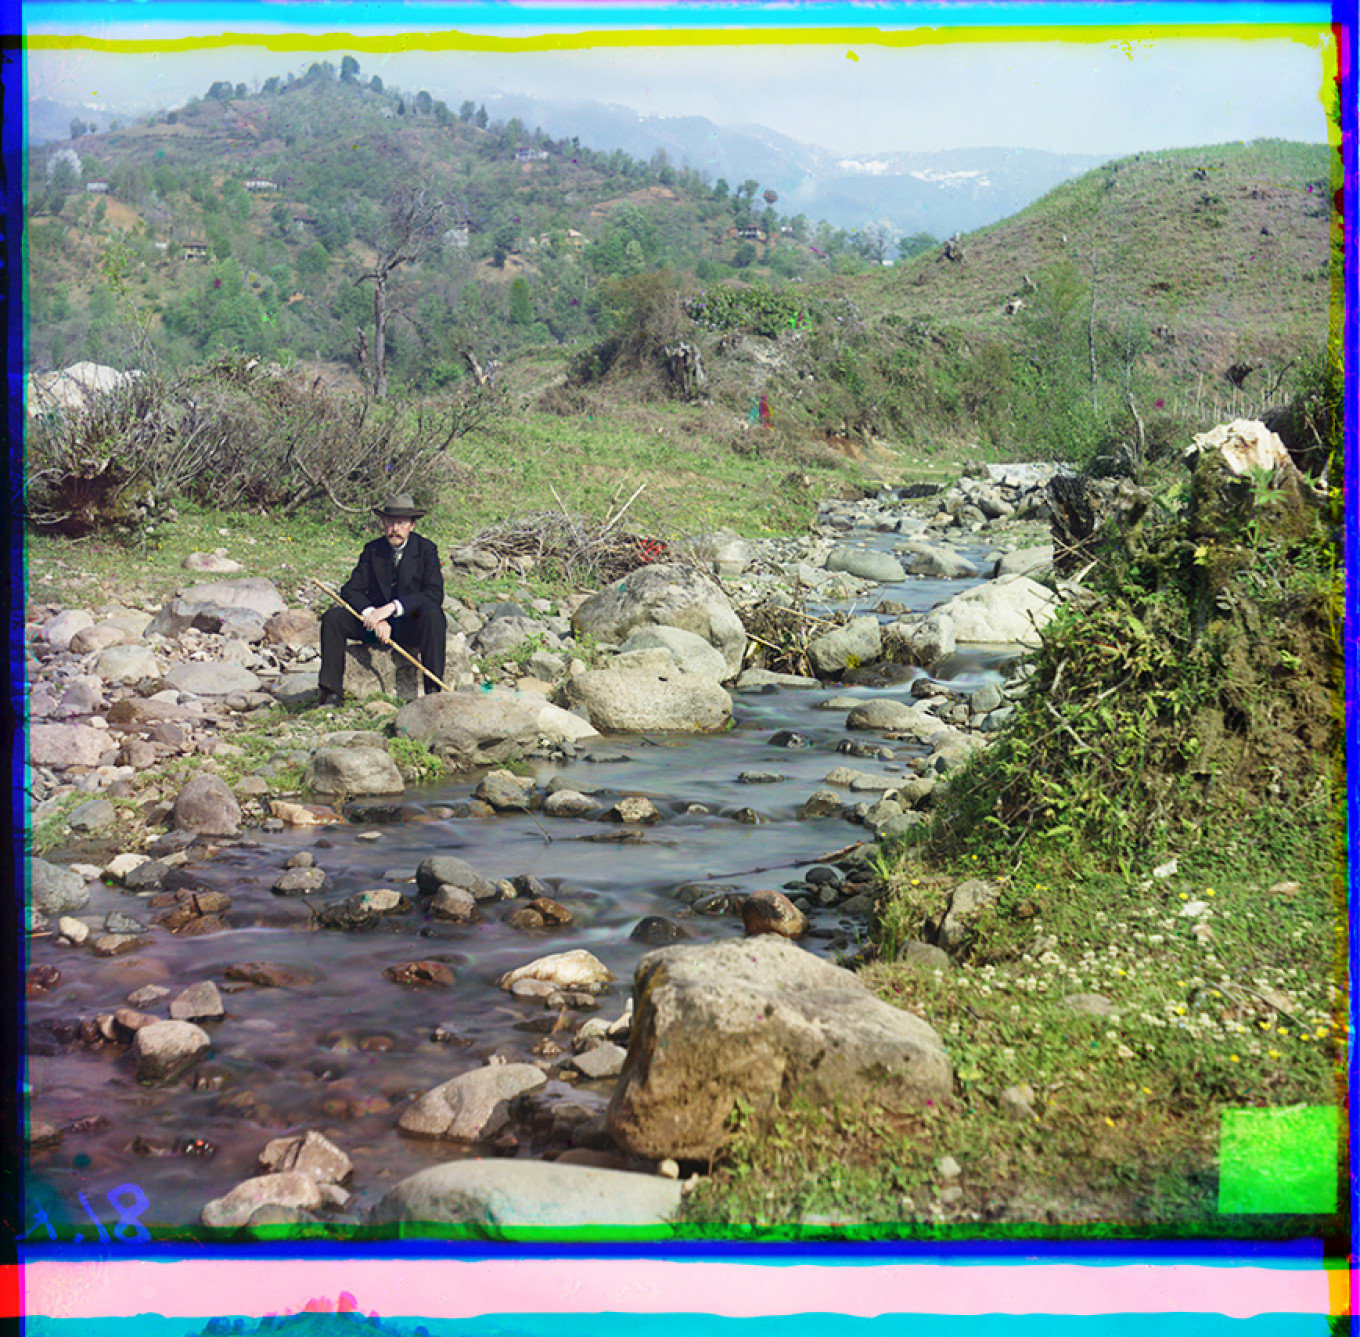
[(402, 506)]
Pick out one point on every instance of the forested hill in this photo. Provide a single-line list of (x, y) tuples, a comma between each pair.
[(245, 222), (261, 225)]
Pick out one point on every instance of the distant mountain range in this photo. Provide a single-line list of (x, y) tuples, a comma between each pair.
[(954, 190)]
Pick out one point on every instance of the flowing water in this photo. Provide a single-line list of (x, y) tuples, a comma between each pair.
[(345, 1052)]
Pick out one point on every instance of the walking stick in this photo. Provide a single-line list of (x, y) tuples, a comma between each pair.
[(410, 658)]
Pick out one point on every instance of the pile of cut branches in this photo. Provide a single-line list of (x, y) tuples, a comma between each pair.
[(779, 629), (585, 552)]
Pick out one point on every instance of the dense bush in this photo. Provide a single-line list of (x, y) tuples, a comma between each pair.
[(1194, 681), (764, 311)]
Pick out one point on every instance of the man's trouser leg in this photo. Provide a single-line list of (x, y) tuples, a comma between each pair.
[(425, 638), (338, 625)]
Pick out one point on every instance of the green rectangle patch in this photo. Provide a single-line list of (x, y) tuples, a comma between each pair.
[(1274, 1161)]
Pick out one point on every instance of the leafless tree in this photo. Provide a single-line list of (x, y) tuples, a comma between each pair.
[(875, 240), (413, 224)]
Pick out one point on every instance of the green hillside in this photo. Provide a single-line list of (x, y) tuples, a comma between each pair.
[(273, 267), (1109, 320), (1172, 288)]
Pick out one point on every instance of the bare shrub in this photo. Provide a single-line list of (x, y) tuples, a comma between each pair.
[(233, 434), (567, 401), (780, 629), (108, 463)]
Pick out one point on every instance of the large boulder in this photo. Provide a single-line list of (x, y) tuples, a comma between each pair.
[(1010, 610), (759, 1021), (1225, 499), (637, 701), (56, 890), (354, 772), (860, 641), (472, 728), (691, 653), (509, 1199), (374, 670), (866, 563), (667, 595)]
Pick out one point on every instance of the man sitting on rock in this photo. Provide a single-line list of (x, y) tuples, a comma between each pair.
[(398, 591)]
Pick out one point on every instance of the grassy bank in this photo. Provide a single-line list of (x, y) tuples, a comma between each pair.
[(682, 481), (1166, 944), (1115, 1127)]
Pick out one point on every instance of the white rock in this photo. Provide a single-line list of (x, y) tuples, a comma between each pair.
[(1008, 611), (77, 930), (572, 969)]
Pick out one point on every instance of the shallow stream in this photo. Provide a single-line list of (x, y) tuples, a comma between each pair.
[(345, 1052)]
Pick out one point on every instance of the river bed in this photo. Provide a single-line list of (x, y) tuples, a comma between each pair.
[(345, 1053)]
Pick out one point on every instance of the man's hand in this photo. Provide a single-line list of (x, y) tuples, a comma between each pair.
[(371, 617), (383, 631)]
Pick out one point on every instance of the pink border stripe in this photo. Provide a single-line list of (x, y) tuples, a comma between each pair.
[(451, 1289)]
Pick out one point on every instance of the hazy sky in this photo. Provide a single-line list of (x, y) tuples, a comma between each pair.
[(1107, 93)]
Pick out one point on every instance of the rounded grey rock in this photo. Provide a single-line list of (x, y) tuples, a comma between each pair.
[(93, 815), (207, 807), (867, 564), (127, 663), (55, 890), (355, 772)]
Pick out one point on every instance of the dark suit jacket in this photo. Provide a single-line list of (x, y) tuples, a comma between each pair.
[(419, 584)]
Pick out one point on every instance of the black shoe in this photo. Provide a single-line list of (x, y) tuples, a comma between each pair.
[(325, 697)]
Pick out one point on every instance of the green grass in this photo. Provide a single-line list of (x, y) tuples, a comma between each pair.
[(1128, 1106), (1223, 980), (690, 483)]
